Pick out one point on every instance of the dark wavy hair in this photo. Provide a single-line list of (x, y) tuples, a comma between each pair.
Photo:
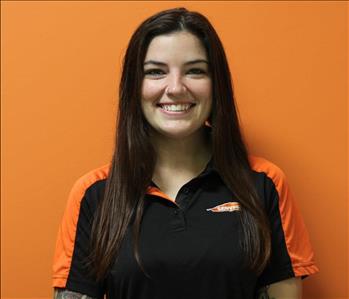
[(134, 157)]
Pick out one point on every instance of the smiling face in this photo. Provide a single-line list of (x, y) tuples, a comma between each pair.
[(176, 89)]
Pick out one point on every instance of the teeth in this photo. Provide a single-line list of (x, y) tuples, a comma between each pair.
[(178, 107)]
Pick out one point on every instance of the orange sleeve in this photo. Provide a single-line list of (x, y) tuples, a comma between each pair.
[(292, 253), (67, 231), (66, 237)]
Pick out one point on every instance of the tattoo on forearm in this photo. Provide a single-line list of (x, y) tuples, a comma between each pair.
[(66, 294)]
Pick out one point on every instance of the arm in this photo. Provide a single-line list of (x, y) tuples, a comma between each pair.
[(286, 289), (69, 269), (66, 294)]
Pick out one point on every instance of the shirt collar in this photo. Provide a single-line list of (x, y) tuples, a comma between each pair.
[(209, 168)]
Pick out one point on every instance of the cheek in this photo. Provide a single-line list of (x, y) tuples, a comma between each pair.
[(202, 88), (204, 91), (150, 90)]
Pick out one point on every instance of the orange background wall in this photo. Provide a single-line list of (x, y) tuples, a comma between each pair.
[(60, 66)]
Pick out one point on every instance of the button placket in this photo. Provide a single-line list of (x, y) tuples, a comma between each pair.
[(186, 190), (183, 200), (184, 196), (178, 221)]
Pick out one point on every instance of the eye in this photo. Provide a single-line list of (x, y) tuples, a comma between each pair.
[(153, 72), (197, 71), (159, 72)]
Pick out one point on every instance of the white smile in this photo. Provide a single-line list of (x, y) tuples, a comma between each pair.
[(176, 107)]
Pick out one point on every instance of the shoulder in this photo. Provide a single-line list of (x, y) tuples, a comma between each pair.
[(268, 168), (75, 228), (271, 182), (91, 177), (92, 182)]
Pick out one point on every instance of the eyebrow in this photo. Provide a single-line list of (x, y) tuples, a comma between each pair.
[(164, 64)]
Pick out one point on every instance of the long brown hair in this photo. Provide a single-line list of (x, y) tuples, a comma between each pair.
[(134, 157)]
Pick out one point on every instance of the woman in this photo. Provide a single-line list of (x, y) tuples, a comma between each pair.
[(182, 210)]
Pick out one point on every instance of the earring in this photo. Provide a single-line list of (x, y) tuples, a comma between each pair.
[(207, 124)]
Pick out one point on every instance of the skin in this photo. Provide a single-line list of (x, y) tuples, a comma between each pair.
[(66, 294), (181, 147), (179, 141), (286, 289)]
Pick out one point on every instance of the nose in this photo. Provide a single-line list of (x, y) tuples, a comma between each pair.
[(175, 85)]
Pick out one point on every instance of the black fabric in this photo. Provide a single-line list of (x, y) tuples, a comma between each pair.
[(78, 279), (187, 251), (280, 266)]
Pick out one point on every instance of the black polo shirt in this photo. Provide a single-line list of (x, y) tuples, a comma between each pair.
[(188, 245)]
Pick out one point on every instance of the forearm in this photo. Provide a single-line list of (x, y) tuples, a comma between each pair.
[(286, 289), (66, 294)]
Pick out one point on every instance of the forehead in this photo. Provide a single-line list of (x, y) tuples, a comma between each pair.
[(176, 46)]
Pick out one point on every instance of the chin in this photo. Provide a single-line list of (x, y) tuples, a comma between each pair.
[(177, 134)]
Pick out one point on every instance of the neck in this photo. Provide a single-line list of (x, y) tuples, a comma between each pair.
[(189, 153)]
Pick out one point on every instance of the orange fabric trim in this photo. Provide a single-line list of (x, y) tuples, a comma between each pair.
[(67, 230), (296, 235), (60, 282), (157, 192), (305, 270)]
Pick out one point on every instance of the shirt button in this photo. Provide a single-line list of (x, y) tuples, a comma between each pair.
[(175, 212)]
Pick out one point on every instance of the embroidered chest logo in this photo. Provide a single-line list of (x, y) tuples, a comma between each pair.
[(226, 207)]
